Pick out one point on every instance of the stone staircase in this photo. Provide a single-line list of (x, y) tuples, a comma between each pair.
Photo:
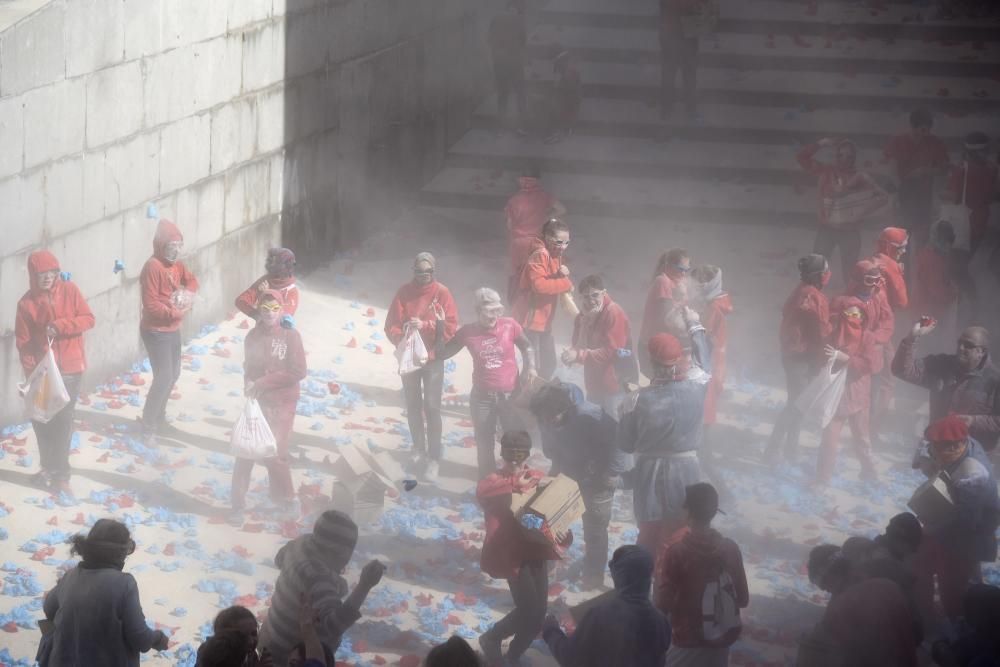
[(777, 74)]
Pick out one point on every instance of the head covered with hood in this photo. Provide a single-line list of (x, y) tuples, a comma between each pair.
[(331, 543), (892, 242), (39, 262), (167, 241), (280, 263), (865, 280), (632, 571), (847, 317)]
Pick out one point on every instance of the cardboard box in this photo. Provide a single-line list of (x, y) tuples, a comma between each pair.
[(932, 503), (361, 483), (559, 505)]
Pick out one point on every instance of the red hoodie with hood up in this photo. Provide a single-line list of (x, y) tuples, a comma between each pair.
[(160, 279), (63, 307), (892, 270), (538, 289), (526, 212), (805, 322)]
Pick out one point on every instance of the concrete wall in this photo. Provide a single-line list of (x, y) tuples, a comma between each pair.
[(248, 122)]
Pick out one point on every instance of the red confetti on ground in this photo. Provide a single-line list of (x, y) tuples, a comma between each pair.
[(370, 312), (169, 550), (253, 528), (54, 521), (379, 660), (175, 396), (244, 325), (453, 620), (409, 660), (468, 441), (224, 353), (95, 438), (79, 520), (204, 381), (360, 646), (115, 405), (246, 600), (556, 589), (352, 343), (334, 388), (378, 349), (241, 551), (461, 598), (43, 553), (10, 627), (424, 600)]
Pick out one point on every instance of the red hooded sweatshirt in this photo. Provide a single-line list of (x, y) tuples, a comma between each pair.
[(247, 301), (160, 279), (833, 181), (686, 563), (597, 339), (505, 547), (717, 328), (805, 323), (538, 289), (892, 272), (526, 211), (421, 302), (852, 337), (668, 290), (63, 307), (275, 361)]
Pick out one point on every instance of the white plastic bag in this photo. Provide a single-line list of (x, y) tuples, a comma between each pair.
[(958, 216), (252, 438), (821, 398), (44, 391), (411, 353)]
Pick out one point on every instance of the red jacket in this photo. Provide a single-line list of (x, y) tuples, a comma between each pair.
[(160, 279), (686, 562), (247, 301), (833, 181), (665, 293), (538, 289), (597, 340), (936, 291), (420, 301), (865, 361), (63, 307), (805, 323), (979, 191), (895, 283), (505, 548), (526, 212), (275, 361), (717, 328)]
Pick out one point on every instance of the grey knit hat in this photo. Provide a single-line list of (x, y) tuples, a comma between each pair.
[(335, 536)]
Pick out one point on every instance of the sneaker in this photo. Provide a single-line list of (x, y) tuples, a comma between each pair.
[(60, 487), (431, 472), (491, 648), (41, 480), (235, 518), (168, 430)]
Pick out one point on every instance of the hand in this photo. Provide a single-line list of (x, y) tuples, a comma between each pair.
[(438, 312), (248, 390), (920, 329), (51, 331), (570, 356), (550, 623), (415, 323), (160, 642), (263, 286), (691, 317), (371, 574), (564, 539), (833, 353), (564, 271), (529, 377)]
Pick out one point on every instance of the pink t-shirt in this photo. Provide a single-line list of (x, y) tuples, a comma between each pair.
[(494, 362)]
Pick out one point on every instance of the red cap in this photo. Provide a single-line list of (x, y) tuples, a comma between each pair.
[(948, 429), (665, 349), (896, 236)]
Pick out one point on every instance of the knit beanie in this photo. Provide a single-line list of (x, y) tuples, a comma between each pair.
[(334, 537), (812, 264)]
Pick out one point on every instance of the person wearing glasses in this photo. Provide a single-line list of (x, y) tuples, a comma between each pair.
[(965, 383), (492, 341), (853, 345), (666, 297), (544, 278), (93, 615), (426, 306)]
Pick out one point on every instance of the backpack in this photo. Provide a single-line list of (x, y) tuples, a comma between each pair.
[(720, 612)]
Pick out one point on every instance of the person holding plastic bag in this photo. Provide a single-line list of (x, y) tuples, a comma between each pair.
[(423, 306), (853, 346), (167, 292), (51, 317), (273, 365), (279, 275)]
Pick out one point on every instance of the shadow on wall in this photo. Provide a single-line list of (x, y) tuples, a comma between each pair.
[(376, 92)]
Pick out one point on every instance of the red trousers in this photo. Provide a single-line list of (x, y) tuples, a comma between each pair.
[(830, 443), (954, 573), (280, 418)]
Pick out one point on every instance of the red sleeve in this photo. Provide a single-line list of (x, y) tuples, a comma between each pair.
[(666, 581), (542, 281), (80, 320), (292, 301), (896, 288), (394, 321), (886, 322), (816, 311), (247, 302), (157, 309), (807, 159), (188, 281), (295, 366), (493, 486), (447, 302), (615, 338), (22, 338)]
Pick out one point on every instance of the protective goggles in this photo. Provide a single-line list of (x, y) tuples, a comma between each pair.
[(270, 307)]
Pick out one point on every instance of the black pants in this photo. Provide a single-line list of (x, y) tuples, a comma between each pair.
[(788, 426), (55, 436), (848, 239), (422, 391), (489, 408), (677, 53), (530, 590), (164, 350), (545, 352), (509, 78), (599, 502)]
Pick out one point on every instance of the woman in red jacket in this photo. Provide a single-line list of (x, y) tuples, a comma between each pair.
[(279, 275), (167, 292), (543, 279), (426, 306), (850, 344), (805, 324), (666, 294), (508, 554), (718, 306), (602, 343), (53, 313), (274, 364)]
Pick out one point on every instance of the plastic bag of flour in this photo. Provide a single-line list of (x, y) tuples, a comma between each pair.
[(44, 391), (411, 353), (821, 398), (252, 438)]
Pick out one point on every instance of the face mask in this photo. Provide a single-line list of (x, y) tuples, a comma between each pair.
[(171, 252), (423, 277)]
